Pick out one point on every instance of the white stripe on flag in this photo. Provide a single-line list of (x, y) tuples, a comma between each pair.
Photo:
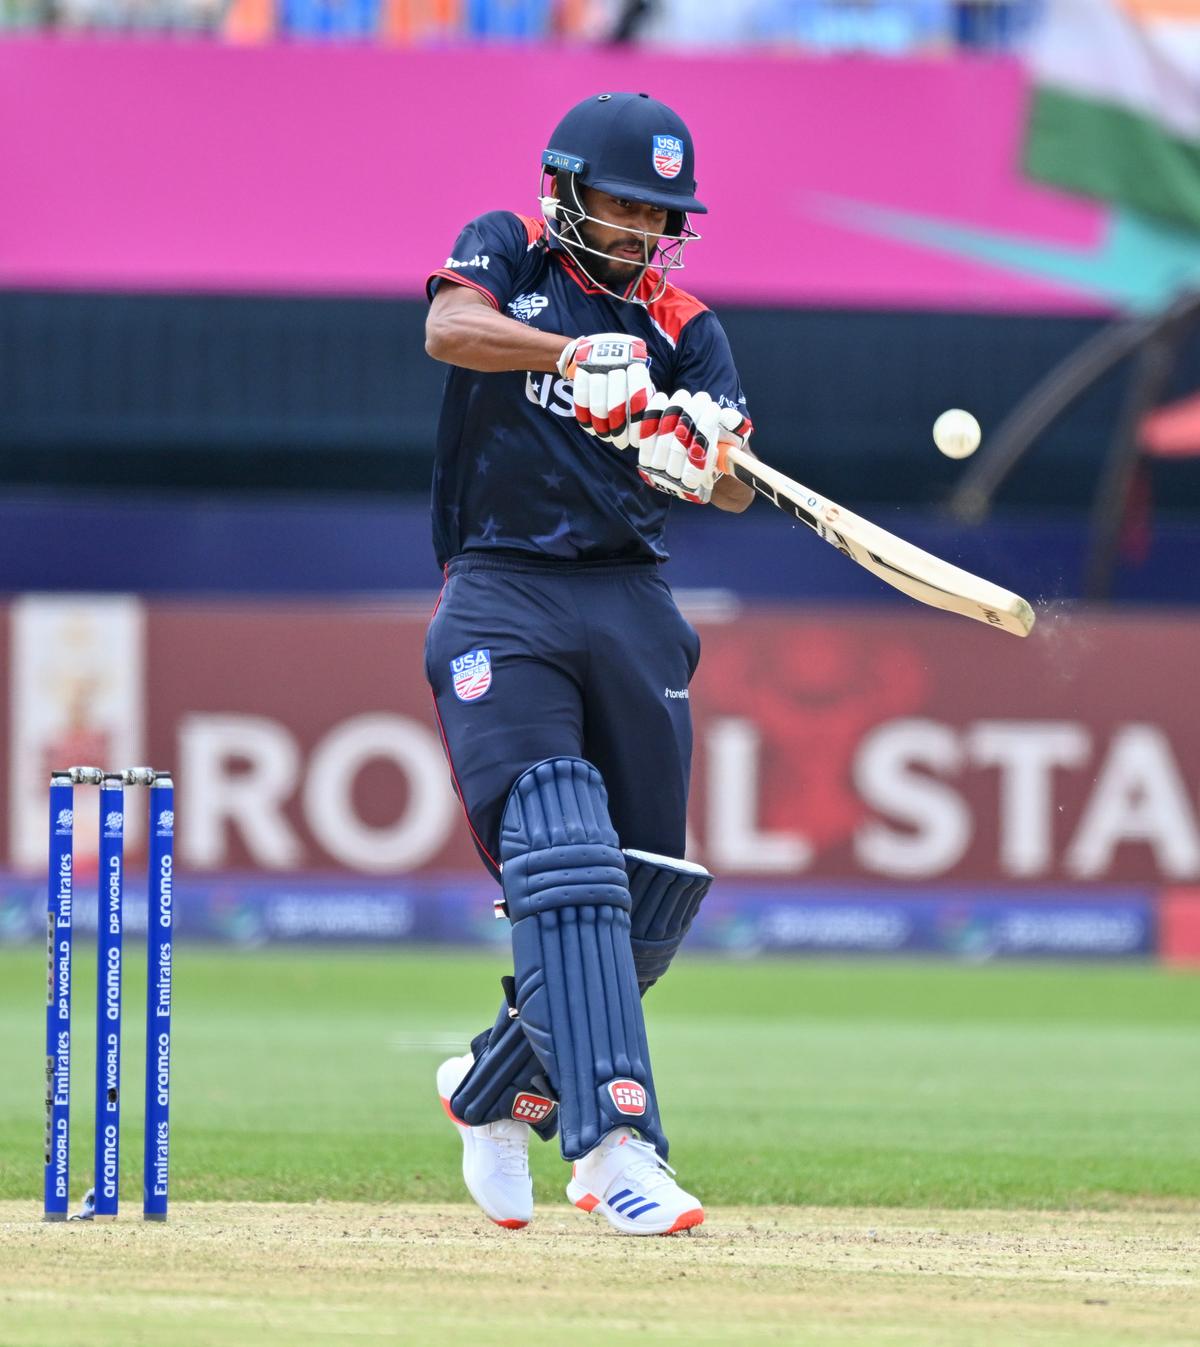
[(1096, 49)]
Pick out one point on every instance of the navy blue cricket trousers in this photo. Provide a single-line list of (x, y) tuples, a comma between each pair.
[(582, 660)]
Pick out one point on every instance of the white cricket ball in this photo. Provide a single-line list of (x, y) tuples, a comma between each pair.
[(956, 433)]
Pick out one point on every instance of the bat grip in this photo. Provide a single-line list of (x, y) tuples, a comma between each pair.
[(723, 448)]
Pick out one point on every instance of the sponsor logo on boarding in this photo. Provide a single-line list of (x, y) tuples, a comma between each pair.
[(527, 307), (472, 674), (629, 1097), (668, 156), (479, 260), (532, 1108)]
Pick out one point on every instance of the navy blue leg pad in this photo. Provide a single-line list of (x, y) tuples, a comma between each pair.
[(506, 1080), (666, 895), (576, 986)]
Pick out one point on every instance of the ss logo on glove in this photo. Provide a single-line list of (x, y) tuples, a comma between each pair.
[(610, 375), (612, 352)]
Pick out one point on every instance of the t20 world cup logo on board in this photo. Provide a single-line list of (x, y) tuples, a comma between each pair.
[(668, 156)]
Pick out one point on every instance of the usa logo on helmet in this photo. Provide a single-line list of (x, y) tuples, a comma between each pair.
[(668, 156), (472, 674)]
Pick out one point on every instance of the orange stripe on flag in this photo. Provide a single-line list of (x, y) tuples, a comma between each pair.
[(1162, 9)]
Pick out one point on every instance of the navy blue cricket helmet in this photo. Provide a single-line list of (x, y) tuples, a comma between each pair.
[(628, 145)]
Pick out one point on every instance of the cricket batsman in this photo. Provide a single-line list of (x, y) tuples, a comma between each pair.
[(585, 399)]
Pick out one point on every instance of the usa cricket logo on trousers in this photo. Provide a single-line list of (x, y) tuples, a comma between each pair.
[(472, 674)]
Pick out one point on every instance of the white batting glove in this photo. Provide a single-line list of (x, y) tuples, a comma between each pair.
[(735, 427), (678, 449), (610, 376)]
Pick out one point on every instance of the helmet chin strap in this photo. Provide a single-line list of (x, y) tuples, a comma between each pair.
[(563, 221)]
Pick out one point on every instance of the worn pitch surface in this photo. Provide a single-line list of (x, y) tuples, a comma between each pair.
[(258, 1274)]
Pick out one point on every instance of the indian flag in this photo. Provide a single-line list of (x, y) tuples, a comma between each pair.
[(1116, 104)]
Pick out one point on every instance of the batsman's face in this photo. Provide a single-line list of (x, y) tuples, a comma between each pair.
[(625, 253)]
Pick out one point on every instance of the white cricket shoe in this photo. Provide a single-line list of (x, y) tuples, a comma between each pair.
[(626, 1180), (495, 1156)]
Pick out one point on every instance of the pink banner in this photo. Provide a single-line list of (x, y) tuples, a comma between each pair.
[(177, 165)]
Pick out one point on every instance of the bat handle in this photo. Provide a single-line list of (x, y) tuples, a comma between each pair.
[(723, 448)]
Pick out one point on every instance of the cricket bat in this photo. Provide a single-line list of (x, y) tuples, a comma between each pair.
[(914, 572)]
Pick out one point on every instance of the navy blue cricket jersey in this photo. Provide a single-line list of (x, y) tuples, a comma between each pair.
[(514, 471)]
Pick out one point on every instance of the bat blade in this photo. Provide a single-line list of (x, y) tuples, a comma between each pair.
[(914, 572)]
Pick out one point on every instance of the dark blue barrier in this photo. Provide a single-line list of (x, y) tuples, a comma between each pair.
[(355, 545), (737, 919), (240, 393)]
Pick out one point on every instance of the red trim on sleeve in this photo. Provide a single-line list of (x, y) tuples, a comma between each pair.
[(534, 229), (447, 274)]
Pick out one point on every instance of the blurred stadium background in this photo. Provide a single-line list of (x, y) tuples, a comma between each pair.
[(216, 424)]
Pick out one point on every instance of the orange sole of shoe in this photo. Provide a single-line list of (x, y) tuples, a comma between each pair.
[(687, 1221)]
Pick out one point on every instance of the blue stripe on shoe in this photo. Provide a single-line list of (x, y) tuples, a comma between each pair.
[(641, 1211), (631, 1202), (616, 1197)]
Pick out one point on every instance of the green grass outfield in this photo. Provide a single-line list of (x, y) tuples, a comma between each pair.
[(309, 1075)]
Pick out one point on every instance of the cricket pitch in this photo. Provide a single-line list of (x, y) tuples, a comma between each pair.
[(261, 1275)]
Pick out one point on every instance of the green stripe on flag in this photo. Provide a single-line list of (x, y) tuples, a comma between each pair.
[(1104, 151)]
